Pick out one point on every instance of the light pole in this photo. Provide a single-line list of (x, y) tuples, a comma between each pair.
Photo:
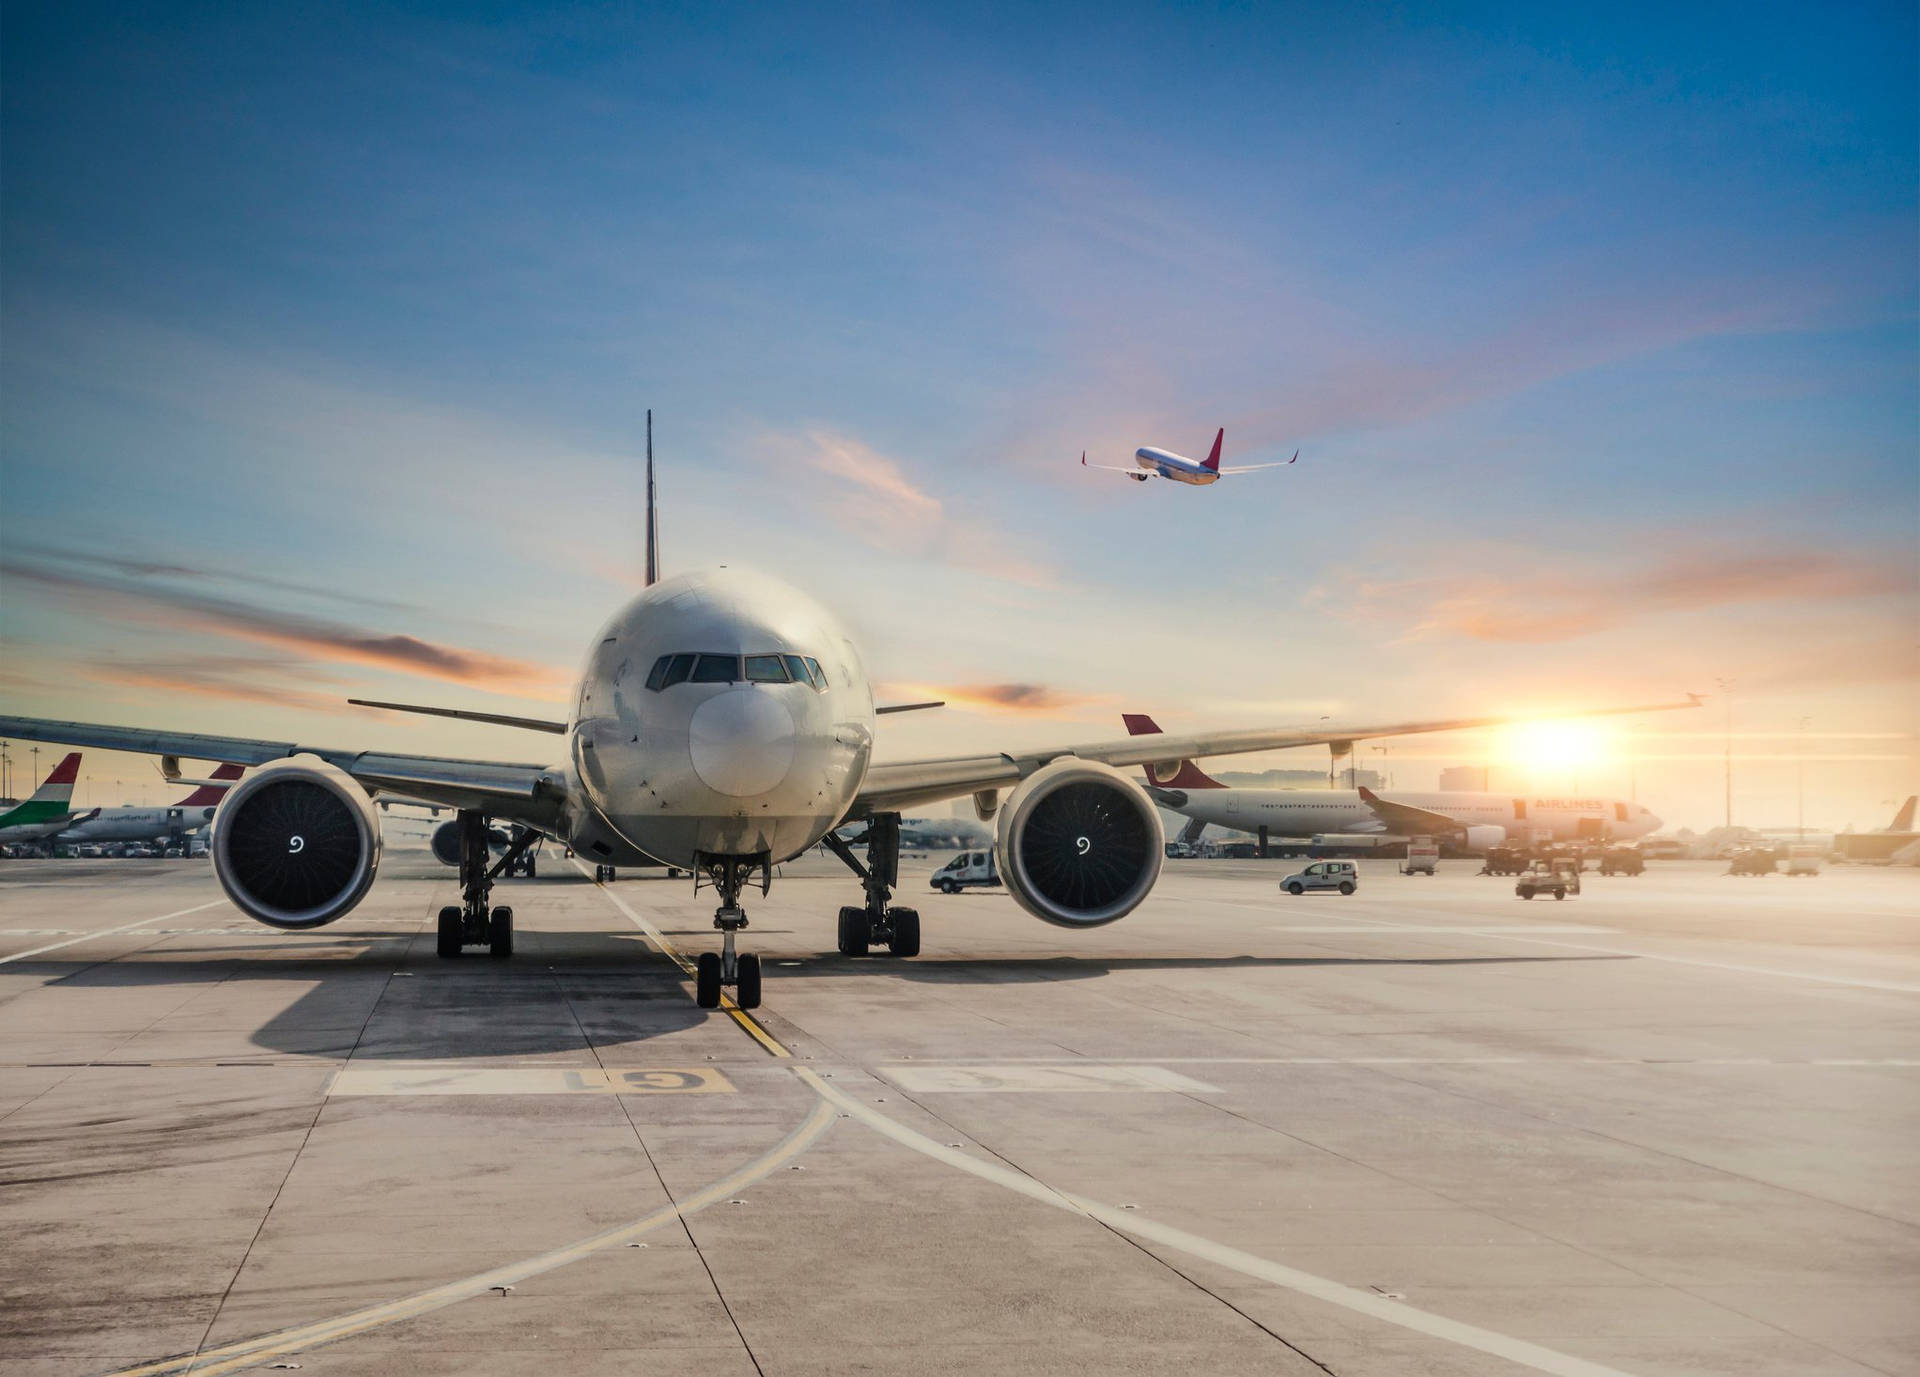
[(1726, 687), (1800, 782)]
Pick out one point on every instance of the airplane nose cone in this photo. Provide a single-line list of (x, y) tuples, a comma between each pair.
[(742, 742)]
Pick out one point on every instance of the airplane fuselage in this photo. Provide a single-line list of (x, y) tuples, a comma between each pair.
[(1175, 466), (1312, 812), (755, 744), (137, 824)]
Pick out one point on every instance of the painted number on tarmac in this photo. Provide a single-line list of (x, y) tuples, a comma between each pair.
[(1055, 1077), (429, 1079)]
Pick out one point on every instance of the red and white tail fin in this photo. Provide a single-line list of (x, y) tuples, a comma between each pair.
[(1903, 820), (207, 795), (1184, 775), (1212, 461)]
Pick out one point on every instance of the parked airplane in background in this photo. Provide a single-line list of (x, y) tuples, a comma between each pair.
[(167, 824), (38, 818), (1478, 820), (1149, 461), (723, 723)]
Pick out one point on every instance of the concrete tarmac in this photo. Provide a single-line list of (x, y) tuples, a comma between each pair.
[(1666, 1127)]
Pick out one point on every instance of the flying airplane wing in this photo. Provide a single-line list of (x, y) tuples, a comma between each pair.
[(1255, 468), (1110, 468), (533, 794), (1405, 818), (893, 785)]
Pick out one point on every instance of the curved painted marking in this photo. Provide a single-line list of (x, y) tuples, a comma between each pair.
[(1364, 1302), (251, 1352), (108, 932)]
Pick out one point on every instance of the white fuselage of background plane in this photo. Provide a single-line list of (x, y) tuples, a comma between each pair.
[(736, 769), (136, 824), (1312, 812), (1175, 466)]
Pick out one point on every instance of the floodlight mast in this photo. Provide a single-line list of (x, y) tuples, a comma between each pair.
[(653, 516)]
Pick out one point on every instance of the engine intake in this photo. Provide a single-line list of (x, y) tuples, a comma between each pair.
[(1079, 844), (296, 843)]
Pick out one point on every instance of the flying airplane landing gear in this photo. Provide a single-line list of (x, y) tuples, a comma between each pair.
[(741, 970), (471, 922), (876, 923)]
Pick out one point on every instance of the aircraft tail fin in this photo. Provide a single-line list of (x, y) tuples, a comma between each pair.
[(209, 794), (58, 786), (653, 512), (1163, 775), (1903, 820), (1212, 461)]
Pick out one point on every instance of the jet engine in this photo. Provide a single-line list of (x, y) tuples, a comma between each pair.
[(296, 843), (1480, 838), (446, 842), (1079, 844)]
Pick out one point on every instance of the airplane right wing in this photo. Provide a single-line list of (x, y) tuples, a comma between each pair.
[(1110, 468), (533, 794), (890, 786)]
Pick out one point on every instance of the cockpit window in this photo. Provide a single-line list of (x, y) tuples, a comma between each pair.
[(819, 674), (765, 669), (796, 669), (716, 669), (669, 670)]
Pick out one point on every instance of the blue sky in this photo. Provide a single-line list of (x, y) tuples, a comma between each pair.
[(1597, 332)]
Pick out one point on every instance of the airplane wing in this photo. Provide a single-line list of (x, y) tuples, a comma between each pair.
[(1255, 468), (1110, 468), (900, 784), (1405, 818), (533, 794)]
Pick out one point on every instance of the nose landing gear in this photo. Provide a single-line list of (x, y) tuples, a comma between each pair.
[(876, 923), (727, 966)]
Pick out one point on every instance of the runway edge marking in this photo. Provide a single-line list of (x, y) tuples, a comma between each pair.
[(672, 953), (251, 1352), (1396, 1313), (108, 932)]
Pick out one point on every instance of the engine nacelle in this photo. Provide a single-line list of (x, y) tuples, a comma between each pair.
[(445, 842), (1079, 844), (1480, 838), (296, 843)]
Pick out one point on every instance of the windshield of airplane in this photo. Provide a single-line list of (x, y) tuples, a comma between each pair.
[(686, 666)]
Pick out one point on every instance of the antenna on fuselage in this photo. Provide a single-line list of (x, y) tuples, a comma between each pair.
[(653, 514)]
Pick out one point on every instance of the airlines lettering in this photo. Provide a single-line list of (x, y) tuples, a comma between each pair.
[(1572, 805)]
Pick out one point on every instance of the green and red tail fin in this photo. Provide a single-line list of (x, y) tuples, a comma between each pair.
[(1184, 775), (52, 801)]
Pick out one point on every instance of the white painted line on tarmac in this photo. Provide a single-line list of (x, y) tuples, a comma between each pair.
[(923, 1078), (108, 932), (1368, 1303), (1481, 930), (402, 1078)]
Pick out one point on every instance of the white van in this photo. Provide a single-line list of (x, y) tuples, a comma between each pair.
[(968, 870), (1343, 876)]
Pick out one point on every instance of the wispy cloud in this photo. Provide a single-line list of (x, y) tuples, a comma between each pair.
[(1036, 700), (326, 640), (171, 569), (229, 678), (1529, 600)]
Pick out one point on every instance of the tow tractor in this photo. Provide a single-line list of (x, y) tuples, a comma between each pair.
[(1558, 877)]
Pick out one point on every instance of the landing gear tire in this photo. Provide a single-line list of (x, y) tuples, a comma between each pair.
[(530, 869), (905, 939), (447, 943), (500, 932), (706, 980), (746, 988), (854, 932)]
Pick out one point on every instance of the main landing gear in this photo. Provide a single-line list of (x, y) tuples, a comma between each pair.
[(875, 924), (726, 966), (471, 923)]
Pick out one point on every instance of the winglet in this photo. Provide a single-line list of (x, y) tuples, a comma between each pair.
[(1213, 460), (1083, 458), (1296, 455)]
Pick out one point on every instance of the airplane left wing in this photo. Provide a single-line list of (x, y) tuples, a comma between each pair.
[(533, 794), (1406, 819), (890, 786), (1255, 468)]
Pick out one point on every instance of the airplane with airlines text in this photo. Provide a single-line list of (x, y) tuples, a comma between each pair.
[(1149, 461), (171, 823), (723, 723)]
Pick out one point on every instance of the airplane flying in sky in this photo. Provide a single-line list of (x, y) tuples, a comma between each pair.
[(46, 812), (170, 823), (1149, 461), (1478, 820), (723, 723)]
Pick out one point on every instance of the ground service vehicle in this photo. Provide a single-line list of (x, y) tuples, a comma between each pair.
[(968, 870), (1803, 860), (1423, 856), (1343, 876), (1509, 859), (1558, 877), (1622, 860), (1750, 860)]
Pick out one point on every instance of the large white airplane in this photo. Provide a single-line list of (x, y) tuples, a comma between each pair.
[(170, 823), (723, 723), (1478, 820), (1149, 461)]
